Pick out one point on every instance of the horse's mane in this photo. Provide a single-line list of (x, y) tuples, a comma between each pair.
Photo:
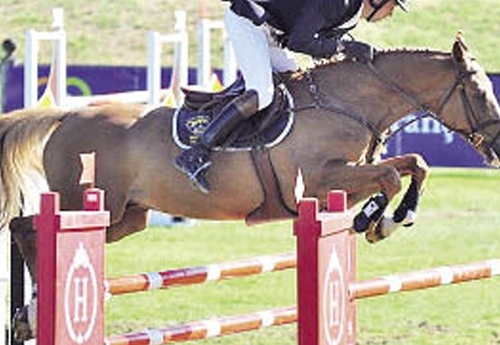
[(381, 54)]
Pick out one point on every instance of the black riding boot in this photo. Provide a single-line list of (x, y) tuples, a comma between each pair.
[(195, 161)]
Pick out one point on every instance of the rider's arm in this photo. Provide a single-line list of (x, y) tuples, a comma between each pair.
[(305, 36)]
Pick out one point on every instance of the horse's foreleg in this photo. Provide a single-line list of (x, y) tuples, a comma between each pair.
[(360, 182), (415, 166), (388, 184), (405, 214), (134, 219), (24, 234)]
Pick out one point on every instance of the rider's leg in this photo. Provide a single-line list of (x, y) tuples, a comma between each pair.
[(251, 47), (238, 110), (196, 160), (255, 65)]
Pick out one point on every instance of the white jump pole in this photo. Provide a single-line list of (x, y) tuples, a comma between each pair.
[(33, 39), (205, 28), (180, 67)]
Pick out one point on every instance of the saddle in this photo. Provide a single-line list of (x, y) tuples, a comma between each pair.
[(260, 132), (266, 128)]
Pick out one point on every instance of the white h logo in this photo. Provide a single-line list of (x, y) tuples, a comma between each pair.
[(80, 297), (81, 288), (334, 319)]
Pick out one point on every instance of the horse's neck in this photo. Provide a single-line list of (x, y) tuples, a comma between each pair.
[(424, 76)]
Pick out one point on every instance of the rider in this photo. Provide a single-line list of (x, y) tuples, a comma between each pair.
[(263, 32)]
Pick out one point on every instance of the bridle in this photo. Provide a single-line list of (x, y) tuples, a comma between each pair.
[(474, 123), (423, 111)]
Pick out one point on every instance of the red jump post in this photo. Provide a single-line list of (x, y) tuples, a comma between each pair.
[(71, 271), (326, 261)]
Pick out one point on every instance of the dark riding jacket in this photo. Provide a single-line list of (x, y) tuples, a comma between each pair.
[(305, 26)]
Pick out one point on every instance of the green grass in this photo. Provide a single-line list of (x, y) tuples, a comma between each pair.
[(114, 33), (458, 223)]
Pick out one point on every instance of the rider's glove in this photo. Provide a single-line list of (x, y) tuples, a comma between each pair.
[(360, 51)]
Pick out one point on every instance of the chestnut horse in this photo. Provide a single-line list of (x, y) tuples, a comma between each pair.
[(343, 111)]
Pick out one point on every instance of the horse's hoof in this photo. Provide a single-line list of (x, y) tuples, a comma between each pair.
[(409, 220), (384, 228), (21, 330), (373, 236)]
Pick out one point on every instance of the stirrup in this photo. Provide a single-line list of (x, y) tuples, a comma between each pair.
[(194, 164), (198, 179)]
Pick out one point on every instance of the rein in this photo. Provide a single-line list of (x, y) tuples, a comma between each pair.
[(319, 103)]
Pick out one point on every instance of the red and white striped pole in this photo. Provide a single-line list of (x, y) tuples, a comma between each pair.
[(200, 274)]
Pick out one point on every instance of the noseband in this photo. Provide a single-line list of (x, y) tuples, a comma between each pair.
[(474, 137)]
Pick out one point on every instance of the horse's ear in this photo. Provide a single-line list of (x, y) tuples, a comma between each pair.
[(460, 49)]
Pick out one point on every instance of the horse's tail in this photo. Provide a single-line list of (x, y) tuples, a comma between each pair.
[(23, 136)]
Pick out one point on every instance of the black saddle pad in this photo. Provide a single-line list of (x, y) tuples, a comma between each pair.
[(268, 127)]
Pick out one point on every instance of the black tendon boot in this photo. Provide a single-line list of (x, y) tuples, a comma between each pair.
[(195, 161), (371, 211)]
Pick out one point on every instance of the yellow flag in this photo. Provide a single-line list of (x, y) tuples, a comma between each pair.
[(169, 99), (47, 100), (215, 83)]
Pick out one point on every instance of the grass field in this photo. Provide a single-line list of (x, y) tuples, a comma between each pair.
[(458, 223)]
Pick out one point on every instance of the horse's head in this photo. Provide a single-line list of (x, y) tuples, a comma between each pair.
[(480, 108)]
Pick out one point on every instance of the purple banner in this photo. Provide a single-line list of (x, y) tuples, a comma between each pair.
[(437, 144), (84, 81)]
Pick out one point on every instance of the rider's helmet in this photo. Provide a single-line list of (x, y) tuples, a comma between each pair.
[(377, 5)]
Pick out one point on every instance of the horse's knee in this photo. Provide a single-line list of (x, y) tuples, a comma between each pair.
[(390, 181), (418, 166)]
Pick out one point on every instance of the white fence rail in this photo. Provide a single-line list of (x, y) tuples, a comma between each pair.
[(204, 68)]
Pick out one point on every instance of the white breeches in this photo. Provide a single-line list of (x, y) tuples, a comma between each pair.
[(257, 55)]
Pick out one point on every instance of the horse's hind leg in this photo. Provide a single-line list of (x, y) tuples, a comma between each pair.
[(407, 165), (134, 219), (23, 233)]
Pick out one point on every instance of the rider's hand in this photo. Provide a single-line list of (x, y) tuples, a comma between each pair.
[(360, 51)]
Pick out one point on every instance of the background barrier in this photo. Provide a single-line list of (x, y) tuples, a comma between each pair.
[(180, 68), (33, 39), (204, 69)]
